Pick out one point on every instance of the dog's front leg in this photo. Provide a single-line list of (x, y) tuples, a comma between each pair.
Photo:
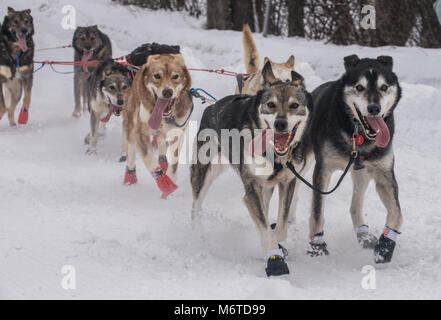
[(253, 199), (387, 189), (93, 135), (360, 179), (27, 90), (77, 94), (145, 148), (321, 179), (286, 194)]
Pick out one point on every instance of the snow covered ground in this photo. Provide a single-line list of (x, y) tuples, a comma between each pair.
[(61, 207)]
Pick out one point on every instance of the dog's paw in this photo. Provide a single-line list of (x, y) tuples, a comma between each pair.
[(317, 246), (130, 177), (365, 238), (91, 151), (23, 116), (86, 140), (76, 114), (276, 266), (123, 157), (385, 246)]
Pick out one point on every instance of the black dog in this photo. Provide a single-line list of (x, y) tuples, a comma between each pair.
[(139, 56), (89, 43), (16, 43), (357, 108)]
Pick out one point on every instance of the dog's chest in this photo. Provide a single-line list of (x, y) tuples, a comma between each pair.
[(5, 72)]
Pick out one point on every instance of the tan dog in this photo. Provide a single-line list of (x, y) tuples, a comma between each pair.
[(254, 81), (158, 103)]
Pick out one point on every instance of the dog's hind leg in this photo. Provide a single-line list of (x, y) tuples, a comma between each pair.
[(321, 179), (2, 102), (27, 89), (387, 189), (203, 172), (254, 200), (360, 179)]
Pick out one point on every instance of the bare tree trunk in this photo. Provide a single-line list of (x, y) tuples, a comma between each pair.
[(296, 26), (219, 14), (242, 12)]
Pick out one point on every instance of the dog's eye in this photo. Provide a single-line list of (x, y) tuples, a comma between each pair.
[(294, 106), (112, 88), (157, 76), (271, 105), (175, 77), (16, 21), (359, 88), (384, 88), (83, 38), (124, 87)]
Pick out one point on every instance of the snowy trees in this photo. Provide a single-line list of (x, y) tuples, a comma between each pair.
[(398, 22)]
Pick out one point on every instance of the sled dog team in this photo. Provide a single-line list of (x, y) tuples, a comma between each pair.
[(343, 124)]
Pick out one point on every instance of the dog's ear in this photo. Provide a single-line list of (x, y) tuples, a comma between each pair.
[(266, 60), (95, 27), (297, 79), (351, 61), (267, 73), (386, 61), (11, 11), (27, 11), (141, 79), (291, 61)]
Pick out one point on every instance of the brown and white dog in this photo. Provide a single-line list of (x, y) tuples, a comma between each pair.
[(158, 103), (254, 82)]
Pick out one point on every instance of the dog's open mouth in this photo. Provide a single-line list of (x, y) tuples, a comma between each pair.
[(22, 43), (376, 129), (282, 140)]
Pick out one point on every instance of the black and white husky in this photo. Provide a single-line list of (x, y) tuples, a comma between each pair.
[(357, 108), (276, 119), (106, 89)]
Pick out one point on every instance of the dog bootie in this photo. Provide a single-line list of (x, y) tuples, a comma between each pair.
[(24, 116), (165, 184), (317, 246), (366, 239), (276, 265), (163, 163), (123, 157), (385, 246), (130, 177)]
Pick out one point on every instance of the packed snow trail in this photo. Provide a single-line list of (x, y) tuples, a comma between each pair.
[(61, 207)]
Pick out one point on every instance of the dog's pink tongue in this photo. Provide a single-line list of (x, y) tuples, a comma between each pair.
[(86, 57), (158, 111), (22, 43), (379, 126)]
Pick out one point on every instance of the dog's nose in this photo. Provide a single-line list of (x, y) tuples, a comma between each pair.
[(374, 109), (120, 102), (167, 93), (88, 47), (24, 30), (281, 125)]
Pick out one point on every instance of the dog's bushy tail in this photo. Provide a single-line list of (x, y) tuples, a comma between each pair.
[(252, 58)]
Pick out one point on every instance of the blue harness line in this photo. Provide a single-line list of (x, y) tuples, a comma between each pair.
[(32, 73)]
